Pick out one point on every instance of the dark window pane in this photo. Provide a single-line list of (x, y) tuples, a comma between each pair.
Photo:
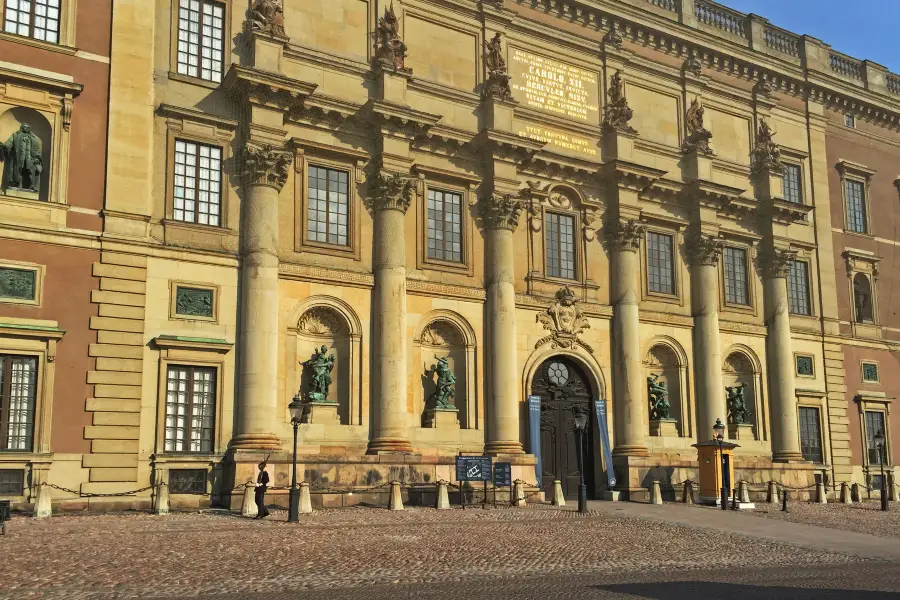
[(798, 288), (38, 19), (805, 365), (327, 211), (792, 185), (18, 395), (660, 264), (870, 372), (201, 39), (190, 409), (444, 226), (187, 481), (874, 425), (560, 246), (197, 183), (856, 206), (810, 434), (736, 291)]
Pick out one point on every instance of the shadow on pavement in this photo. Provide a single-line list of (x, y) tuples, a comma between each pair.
[(707, 590)]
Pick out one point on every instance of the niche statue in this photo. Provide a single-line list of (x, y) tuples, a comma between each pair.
[(22, 152), (659, 398), (738, 413), (321, 367), (445, 383)]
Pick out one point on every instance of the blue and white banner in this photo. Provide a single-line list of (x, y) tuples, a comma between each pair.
[(534, 433), (600, 408)]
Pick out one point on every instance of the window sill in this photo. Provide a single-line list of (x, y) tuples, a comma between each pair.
[(200, 226), (662, 297), (27, 41), (447, 267), (213, 85), (748, 309), (859, 234), (328, 249)]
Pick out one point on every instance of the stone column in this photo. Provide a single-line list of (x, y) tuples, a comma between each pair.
[(265, 170), (779, 356), (501, 217), (704, 252), (390, 196), (629, 387)]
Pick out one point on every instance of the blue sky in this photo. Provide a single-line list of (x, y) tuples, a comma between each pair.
[(864, 29)]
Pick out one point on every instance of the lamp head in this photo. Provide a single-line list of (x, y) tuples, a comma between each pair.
[(581, 420), (879, 438), (719, 430), (296, 408)]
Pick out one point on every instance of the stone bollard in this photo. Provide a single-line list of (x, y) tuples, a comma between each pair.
[(305, 499), (854, 493), (655, 494), (891, 486), (396, 502), (248, 506), (772, 493), (846, 498), (744, 492), (519, 493), (558, 498), (42, 505), (821, 494), (687, 495), (443, 496), (161, 502)]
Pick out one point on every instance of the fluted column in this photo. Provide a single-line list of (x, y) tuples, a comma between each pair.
[(265, 170), (704, 252), (390, 195), (629, 387), (501, 217), (779, 356)]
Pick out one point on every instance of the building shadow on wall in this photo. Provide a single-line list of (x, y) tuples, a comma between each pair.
[(708, 590)]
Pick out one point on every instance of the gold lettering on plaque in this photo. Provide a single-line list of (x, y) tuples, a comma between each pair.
[(557, 87), (562, 142)]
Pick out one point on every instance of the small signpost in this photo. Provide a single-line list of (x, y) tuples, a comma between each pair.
[(600, 408), (502, 478), (473, 468)]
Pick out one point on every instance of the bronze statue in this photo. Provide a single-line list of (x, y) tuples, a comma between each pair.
[(738, 413), (22, 152), (267, 16), (617, 113), (697, 135), (497, 83), (445, 382), (321, 367), (390, 50), (659, 398)]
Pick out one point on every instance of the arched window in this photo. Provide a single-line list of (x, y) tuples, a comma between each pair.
[(862, 299)]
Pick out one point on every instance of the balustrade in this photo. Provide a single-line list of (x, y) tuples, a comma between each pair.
[(722, 18), (846, 66), (782, 42)]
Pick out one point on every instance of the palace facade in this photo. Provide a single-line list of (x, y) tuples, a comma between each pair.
[(413, 216)]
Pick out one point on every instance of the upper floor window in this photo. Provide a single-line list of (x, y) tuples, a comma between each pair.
[(798, 288), (37, 19), (198, 183), (810, 434), (560, 241), (201, 39), (862, 299), (18, 395), (190, 408), (855, 192), (328, 206), (736, 289), (445, 226), (850, 121), (793, 188), (660, 264)]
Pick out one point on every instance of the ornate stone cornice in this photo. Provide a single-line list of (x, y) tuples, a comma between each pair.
[(265, 165), (262, 88), (703, 249), (774, 261), (501, 211), (624, 234), (398, 119), (505, 146), (391, 191), (629, 176)]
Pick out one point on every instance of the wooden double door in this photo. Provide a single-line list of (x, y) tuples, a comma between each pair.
[(565, 392)]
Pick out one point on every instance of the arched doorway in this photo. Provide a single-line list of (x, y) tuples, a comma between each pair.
[(565, 391)]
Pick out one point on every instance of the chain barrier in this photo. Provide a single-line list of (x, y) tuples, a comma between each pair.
[(90, 495)]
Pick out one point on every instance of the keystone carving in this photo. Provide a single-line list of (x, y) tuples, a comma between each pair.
[(617, 113), (697, 135), (775, 262), (625, 235), (704, 249), (267, 16), (391, 191), (266, 165), (565, 322), (390, 49), (766, 156), (497, 84), (501, 211)]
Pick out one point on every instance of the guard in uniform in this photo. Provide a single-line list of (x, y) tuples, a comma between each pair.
[(262, 484)]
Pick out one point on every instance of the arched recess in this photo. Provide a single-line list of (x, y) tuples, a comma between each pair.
[(666, 362), (742, 365), (327, 321), (10, 122), (446, 334)]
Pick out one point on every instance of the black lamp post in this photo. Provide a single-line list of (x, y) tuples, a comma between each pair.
[(719, 432), (581, 420), (296, 408), (882, 456)]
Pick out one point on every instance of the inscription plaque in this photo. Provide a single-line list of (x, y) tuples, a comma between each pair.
[(553, 86)]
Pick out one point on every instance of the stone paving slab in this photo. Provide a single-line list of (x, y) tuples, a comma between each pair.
[(186, 555), (865, 517)]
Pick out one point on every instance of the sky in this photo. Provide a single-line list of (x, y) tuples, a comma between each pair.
[(864, 29)]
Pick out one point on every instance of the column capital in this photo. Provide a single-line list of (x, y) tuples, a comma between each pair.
[(391, 191), (625, 235), (774, 261), (265, 165), (501, 211), (704, 249)]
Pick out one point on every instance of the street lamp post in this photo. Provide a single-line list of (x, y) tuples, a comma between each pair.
[(296, 408), (882, 456), (581, 420), (719, 432)]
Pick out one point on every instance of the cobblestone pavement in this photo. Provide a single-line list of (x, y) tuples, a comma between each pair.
[(862, 517), (190, 555)]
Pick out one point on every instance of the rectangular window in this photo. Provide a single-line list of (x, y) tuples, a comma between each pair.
[(190, 409), (660, 265), (201, 39), (37, 19), (444, 226), (792, 187), (810, 435), (187, 481), (12, 482), (870, 372), (874, 425), (560, 240), (805, 365), (18, 394), (198, 183), (856, 205), (736, 276), (850, 121), (798, 288), (328, 206)]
